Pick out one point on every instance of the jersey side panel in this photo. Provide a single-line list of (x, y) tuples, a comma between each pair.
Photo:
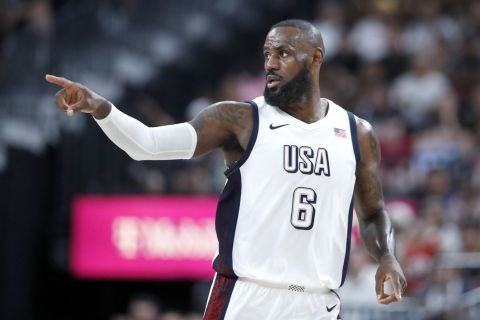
[(228, 207)]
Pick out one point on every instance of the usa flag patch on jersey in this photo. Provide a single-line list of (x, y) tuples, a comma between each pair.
[(342, 133)]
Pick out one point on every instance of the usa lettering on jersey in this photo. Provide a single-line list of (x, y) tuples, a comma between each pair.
[(306, 160)]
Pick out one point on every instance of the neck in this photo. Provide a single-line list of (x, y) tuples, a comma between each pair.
[(310, 108)]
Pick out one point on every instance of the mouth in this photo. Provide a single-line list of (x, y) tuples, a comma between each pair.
[(273, 81)]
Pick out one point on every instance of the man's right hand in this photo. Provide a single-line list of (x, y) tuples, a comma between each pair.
[(75, 97)]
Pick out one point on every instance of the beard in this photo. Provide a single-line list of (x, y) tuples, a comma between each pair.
[(291, 92)]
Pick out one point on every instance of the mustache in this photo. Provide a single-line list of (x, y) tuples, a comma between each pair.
[(271, 73)]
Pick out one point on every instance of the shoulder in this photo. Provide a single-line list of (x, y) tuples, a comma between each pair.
[(230, 111), (364, 128), (228, 116), (231, 105), (368, 141)]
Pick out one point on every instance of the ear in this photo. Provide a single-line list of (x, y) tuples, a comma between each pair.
[(318, 54)]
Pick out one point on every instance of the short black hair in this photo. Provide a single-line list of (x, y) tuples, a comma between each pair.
[(308, 30)]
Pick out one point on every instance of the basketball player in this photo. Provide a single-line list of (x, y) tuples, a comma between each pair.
[(295, 161)]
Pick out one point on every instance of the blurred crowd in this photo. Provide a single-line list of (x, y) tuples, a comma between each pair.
[(147, 307), (411, 68)]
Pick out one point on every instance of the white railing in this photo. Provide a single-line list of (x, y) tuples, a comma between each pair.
[(407, 309), (467, 308)]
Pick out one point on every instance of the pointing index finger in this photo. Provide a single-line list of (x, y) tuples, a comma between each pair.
[(59, 81)]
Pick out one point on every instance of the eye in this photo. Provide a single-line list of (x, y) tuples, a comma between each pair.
[(266, 55), (283, 53)]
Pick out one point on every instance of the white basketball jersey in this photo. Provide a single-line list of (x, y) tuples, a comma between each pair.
[(284, 217)]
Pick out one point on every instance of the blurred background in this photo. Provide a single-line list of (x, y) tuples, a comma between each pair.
[(409, 67)]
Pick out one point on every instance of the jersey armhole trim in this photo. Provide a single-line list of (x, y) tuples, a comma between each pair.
[(353, 132), (251, 142)]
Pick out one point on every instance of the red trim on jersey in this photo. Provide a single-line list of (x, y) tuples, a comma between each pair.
[(219, 298)]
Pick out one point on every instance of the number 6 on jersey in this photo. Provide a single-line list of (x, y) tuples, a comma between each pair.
[(303, 209)]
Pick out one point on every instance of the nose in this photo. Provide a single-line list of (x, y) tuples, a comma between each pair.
[(271, 63)]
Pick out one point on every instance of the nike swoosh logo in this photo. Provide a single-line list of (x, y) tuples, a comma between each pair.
[(276, 127), (330, 309)]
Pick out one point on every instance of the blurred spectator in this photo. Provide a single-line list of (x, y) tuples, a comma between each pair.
[(429, 28), (172, 315), (226, 90), (417, 92), (419, 250), (360, 278), (330, 22), (470, 113), (470, 228), (396, 146), (444, 289), (141, 307), (369, 37), (36, 14)]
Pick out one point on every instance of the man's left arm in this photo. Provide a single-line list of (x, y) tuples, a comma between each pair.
[(375, 225)]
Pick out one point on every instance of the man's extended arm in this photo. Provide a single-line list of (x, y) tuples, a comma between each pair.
[(375, 225), (216, 126)]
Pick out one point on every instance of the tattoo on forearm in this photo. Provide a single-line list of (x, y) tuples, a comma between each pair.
[(377, 234)]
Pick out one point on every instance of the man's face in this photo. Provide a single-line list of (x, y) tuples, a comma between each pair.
[(287, 69)]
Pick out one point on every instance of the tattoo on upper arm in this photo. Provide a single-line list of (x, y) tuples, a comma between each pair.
[(220, 124), (368, 188), (374, 146), (231, 114)]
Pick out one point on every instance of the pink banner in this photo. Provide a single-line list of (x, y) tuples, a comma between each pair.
[(138, 237)]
